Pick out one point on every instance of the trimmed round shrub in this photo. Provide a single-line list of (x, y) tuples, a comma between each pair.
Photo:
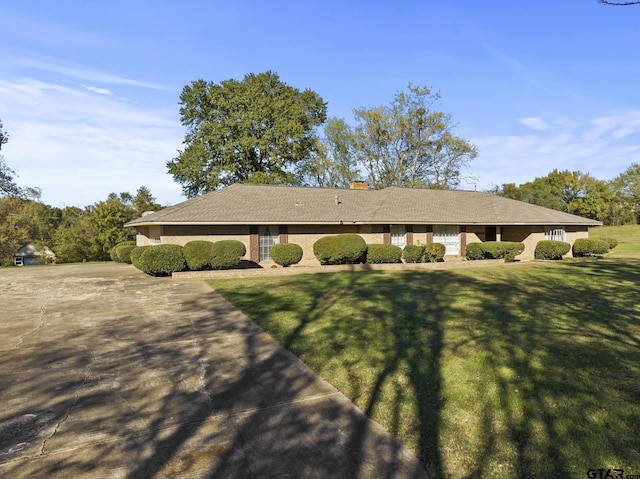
[(506, 250), (161, 260), (286, 254), (227, 254), (590, 247), (475, 251), (434, 252), (551, 250), (612, 242), (136, 254), (345, 248), (198, 254), (114, 254), (383, 253), (413, 253), (123, 252)]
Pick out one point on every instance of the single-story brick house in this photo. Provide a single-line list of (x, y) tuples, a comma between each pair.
[(263, 215)]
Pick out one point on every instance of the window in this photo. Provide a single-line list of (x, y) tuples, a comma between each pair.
[(555, 233), (398, 237), (18, 261), (449, 236), (268, 237)]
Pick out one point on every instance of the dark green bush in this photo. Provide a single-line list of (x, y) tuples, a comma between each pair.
[(413, 253), (161, 260), (136, 254), (549, 249), (198, 254), (506, 250), (227, 254), (590, 247), (286, 254), (344, 248), (475, 251), (123, 252), (383, 253), (612, 242), (434, 252), (114, 254)]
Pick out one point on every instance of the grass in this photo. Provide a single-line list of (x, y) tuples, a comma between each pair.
[(628, 237), (528, 370)]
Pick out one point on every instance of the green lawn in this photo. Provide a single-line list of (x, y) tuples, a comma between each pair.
[(524, 370), (628, 239)]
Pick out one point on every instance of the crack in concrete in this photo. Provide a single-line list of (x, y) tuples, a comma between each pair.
[(43, 312), (203, 363), (76, 399)]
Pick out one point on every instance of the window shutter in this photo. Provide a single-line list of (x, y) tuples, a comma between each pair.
[(409, 234), (386, 234), (254, 243)]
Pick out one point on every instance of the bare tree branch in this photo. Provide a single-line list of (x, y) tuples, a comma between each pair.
[(618, 4)]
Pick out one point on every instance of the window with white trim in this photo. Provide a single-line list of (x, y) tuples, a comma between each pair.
[(398, 235), (269, 235), (554, 233)]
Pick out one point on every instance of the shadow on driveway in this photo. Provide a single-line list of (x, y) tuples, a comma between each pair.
[(106, 372)]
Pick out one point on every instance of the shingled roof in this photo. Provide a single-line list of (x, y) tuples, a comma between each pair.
[(266, 204)]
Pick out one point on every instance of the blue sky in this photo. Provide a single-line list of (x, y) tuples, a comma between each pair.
[(89, 90)]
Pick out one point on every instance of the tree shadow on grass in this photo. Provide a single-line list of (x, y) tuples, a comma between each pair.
[(482, 373)]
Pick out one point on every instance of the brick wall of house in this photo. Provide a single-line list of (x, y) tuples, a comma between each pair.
[(307, 235)]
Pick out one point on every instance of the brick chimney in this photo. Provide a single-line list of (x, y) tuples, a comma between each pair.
[(358, 185)]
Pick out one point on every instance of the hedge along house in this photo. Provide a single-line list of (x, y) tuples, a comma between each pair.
[(263, 215)]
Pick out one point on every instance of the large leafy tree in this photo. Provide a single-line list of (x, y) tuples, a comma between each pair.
[(410, 143), (143, 201), (626, 188), (104, 221), (256, 129), (334, 164), (75, 238)]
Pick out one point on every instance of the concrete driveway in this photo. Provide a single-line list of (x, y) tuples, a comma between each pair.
[(107, 372)]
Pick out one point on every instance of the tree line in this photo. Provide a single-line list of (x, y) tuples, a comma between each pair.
[(614, 202), (74, 234)]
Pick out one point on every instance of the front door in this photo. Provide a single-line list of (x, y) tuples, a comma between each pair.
[(449, 236)]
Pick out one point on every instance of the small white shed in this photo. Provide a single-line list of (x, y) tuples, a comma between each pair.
[(31, 254)]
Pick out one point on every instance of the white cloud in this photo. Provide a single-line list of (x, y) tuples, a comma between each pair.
[(83, 73), (101, 91), (602, 146), (79, 147), (534, 122)]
